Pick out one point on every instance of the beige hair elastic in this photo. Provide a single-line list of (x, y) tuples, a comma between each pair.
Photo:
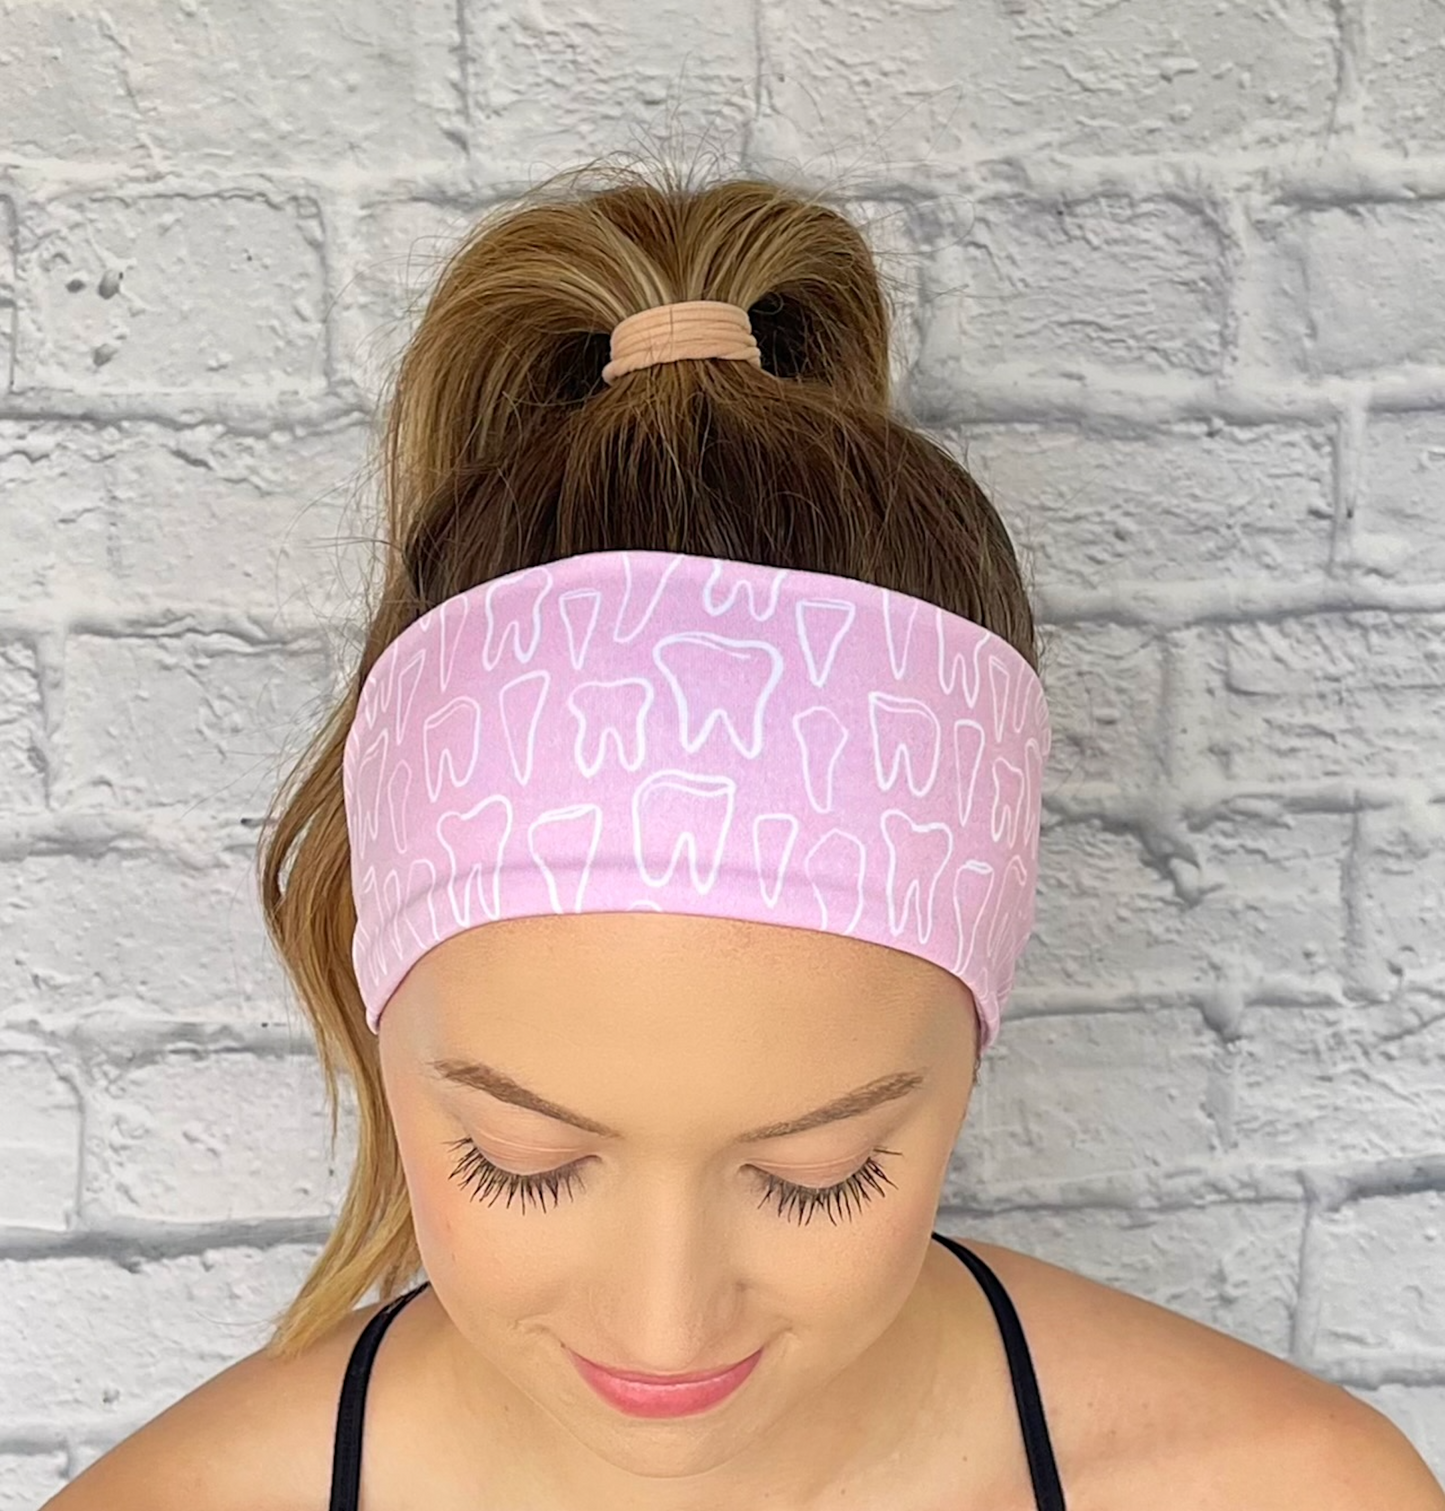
[(692, 328)]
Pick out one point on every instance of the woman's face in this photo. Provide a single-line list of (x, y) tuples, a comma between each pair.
[(673, 1243)]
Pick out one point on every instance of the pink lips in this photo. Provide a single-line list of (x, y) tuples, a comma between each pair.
[(664, 1395)]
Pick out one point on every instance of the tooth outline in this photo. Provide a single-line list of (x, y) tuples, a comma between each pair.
[(648, 699), (715, 712), (687, 836), (463, 915)]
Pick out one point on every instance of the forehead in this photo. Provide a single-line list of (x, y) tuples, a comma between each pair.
[(647, 973)]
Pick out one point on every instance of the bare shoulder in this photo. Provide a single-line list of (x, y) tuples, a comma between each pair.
[(256, 1437), (1148, 1408)]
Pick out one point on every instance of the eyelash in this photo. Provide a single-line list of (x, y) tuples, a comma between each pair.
[(474, 1169)]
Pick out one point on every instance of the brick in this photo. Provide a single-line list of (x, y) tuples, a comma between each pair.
[(56, 513), (1336, 1085), (22, 736), (246, 90), (87, 1342), (550, 87), (1232, 1266), (1399, 524), (1376, 1264), (1193, 503), (1351, 289), (1064, 1099), (9, 223), (265, 525), (389, 259), (1330, 697), (1401, 868), (190, 265), (1125, 78), (39, 1143), (1256, 894), (220, 1136), (146, 931), (1078, 284), (190, 719), (1103, 686), (1403, 75), (28, 1480)]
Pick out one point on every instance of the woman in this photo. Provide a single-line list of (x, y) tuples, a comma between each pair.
[(658, 886)]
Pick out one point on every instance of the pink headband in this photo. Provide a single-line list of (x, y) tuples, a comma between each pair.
[(646, 730)]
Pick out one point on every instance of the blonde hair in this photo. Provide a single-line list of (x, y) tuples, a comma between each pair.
[(503, 448)]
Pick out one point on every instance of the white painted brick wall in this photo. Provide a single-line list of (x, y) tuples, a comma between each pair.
[(1171, 280)]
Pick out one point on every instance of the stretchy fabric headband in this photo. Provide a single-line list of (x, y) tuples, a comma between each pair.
[(647, 730)]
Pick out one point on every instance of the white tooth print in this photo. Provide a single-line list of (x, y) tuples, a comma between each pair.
[(398, 790), (889, 715), (1000, 681), (580, 609), (365, 889), (716, 666), (559, 824), (973, 888), (906, 870), (1035, 757), (969, 742), (369, 769), (507, 599), (1011, 909), (451, 738), (821, 871), (822, 622), (1004, 908), (371, 899), (632, 606), (589, 750), (900, 614), (475, 858), (451, 621), (666, 811), (519, 710), (421, 884), (771, 860), (1018, 704), (361, 957), (408, 679), (1008, 786), (725, 574), (392, 899), (821, 737), (960, 672), (376, 695)]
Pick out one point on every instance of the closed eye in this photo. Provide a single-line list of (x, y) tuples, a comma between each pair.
[(475, 1173)]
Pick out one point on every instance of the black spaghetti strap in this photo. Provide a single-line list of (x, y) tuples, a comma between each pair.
[(1043, 1470), (351, 1409)]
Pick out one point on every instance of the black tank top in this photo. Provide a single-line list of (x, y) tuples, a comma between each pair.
[(1048, 1492)]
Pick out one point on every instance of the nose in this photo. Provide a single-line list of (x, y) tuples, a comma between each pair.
[(671, 1303)]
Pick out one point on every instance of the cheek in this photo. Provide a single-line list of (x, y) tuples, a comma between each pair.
[(435, 1212), (485, 1262), (438, 1203)]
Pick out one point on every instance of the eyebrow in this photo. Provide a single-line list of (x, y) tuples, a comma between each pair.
[(499, 1084)]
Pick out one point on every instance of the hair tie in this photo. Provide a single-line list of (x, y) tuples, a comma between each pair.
[(675, 332)]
